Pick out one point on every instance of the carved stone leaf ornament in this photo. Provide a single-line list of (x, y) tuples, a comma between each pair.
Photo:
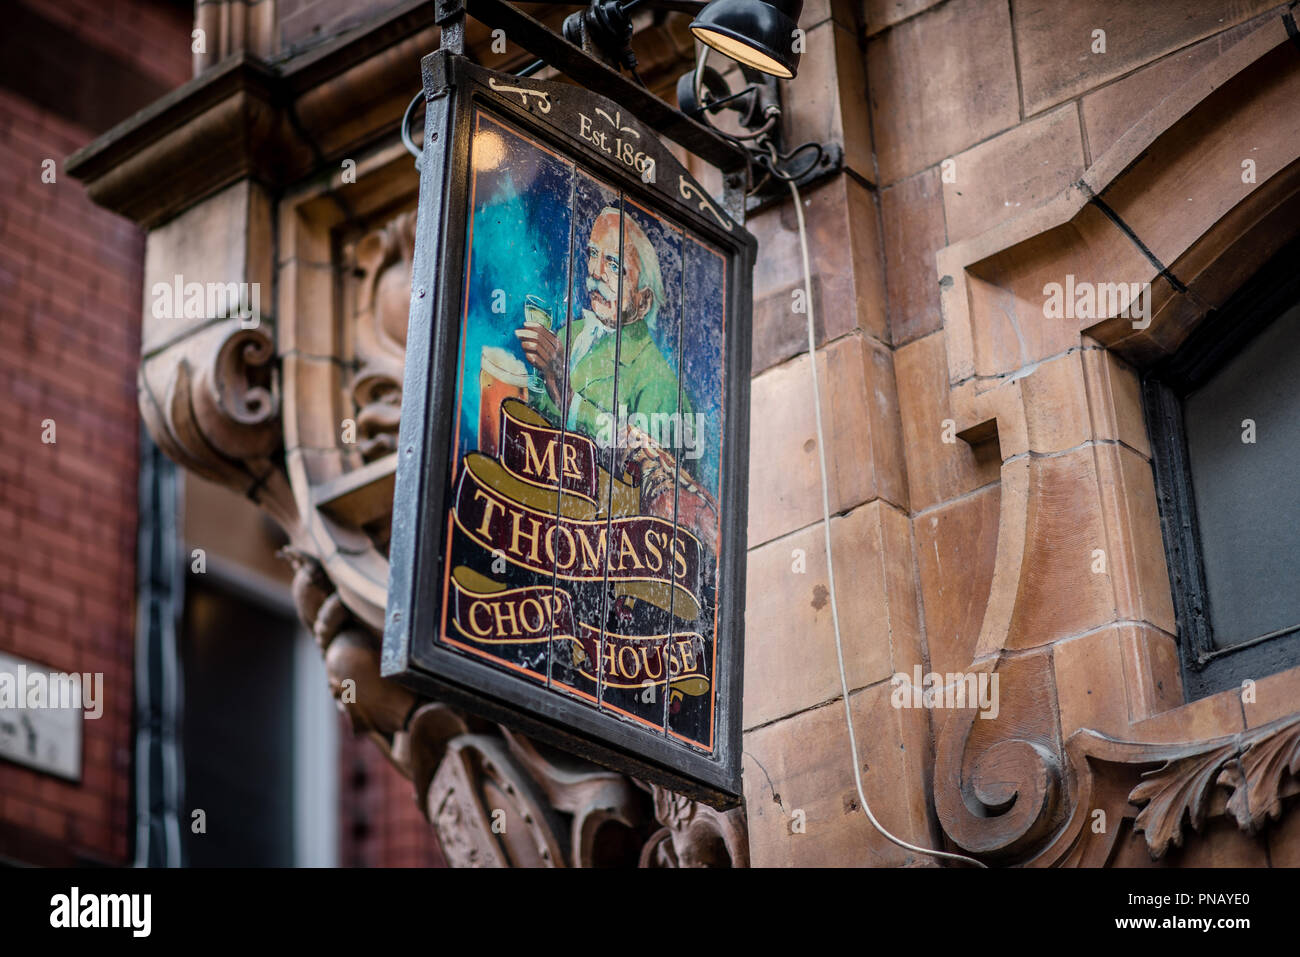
[(1179, 790), (1258, 798), (1166, 788), (1251, 767)]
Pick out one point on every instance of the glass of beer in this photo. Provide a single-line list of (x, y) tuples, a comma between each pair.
[(501, 376), (536, 313)]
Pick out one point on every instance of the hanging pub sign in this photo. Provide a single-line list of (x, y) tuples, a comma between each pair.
[(568, 540)]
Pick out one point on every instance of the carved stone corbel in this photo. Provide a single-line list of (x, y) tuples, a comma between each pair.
[(1002, 780)]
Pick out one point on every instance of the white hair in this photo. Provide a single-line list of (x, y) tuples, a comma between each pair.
[(648, 274)]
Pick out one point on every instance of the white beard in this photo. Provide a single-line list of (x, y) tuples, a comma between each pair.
[(591, 317)]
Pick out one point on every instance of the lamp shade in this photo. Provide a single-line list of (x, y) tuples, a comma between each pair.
[(757, 33)]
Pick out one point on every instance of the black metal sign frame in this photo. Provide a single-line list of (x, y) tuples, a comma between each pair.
[(552, 113)]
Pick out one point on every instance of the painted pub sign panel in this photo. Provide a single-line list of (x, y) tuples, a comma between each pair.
[(568, 540)]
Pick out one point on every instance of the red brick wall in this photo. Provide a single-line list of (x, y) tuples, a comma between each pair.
[(70, 276), (153, 36), (382, 825), (70, 284)]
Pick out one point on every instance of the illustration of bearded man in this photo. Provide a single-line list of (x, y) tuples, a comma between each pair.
[(584, 400), (646, 382)]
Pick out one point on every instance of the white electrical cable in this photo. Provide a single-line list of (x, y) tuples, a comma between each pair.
[(830, 564)]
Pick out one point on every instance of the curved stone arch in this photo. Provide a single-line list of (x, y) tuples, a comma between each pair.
[(1045, 391)]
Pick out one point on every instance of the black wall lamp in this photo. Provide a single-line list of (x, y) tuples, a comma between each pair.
[(757, 33), (762, 36)]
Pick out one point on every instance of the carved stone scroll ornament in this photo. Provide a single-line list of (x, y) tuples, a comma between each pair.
[(212, 401), (695, 835), (1008, 783), (213, 406)]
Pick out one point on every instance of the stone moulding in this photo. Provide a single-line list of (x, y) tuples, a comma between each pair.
[(1021, 791)]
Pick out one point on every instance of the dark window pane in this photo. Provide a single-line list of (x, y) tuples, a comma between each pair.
[(238, 672), (1248, 494)]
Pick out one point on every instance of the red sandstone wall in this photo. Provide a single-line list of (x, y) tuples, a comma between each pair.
[(1009, 96), (303, 23)]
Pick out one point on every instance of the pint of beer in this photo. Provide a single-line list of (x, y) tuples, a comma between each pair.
[(501, 376)]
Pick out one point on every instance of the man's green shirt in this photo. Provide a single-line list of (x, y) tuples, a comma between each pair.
[(646, 382)]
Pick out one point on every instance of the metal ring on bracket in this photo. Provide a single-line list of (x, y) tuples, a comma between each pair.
[(410, 112), (406, 129)]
